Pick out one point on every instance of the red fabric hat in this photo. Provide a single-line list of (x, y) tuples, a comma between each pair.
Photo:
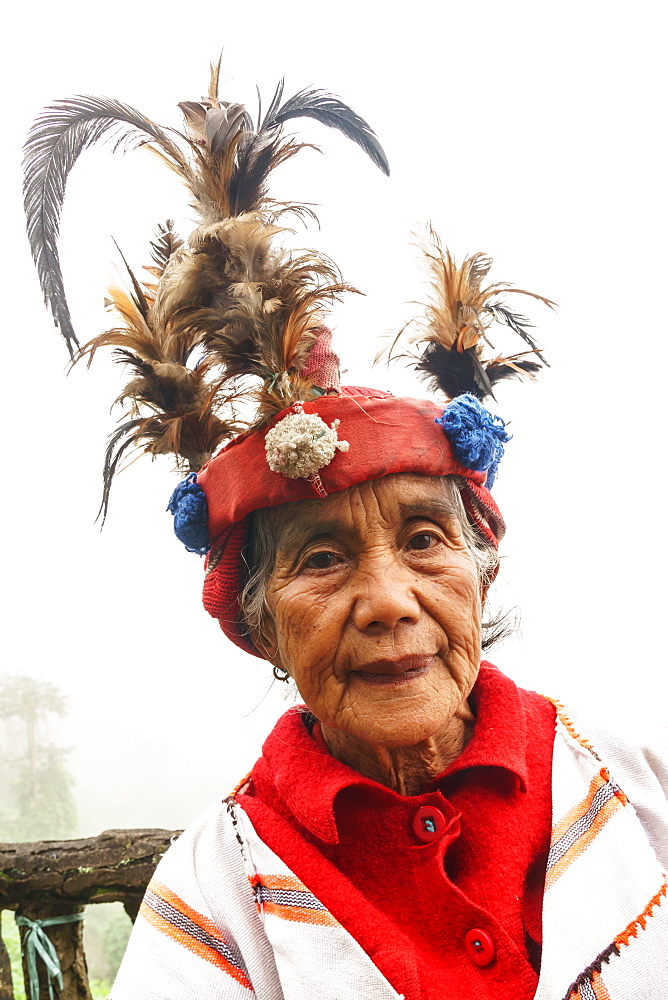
[(386, 434)]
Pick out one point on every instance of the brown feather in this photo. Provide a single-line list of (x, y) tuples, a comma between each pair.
[(171, 407), (231, 296), (454, 332), (214, 78)]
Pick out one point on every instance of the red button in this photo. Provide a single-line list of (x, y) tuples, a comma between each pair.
[(479, 947), (428, 824)]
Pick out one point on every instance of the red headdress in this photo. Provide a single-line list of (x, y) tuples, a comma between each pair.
[(229, 314)]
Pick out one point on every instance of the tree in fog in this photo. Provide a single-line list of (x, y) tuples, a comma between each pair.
[(36, 797)]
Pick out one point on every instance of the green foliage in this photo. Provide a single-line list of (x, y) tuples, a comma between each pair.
[(106, 931), (36, 788), (100, 988), (29, 698), (44, 799), (10, 935)]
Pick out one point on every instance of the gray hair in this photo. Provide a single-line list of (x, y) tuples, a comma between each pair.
[(266, 530)]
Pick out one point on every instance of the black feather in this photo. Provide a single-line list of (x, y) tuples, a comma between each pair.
[(240, 350), (165, 244), (496, 372), (454, 372), (248, 180), (330, 111), (259, 152), (517, 323), (269, 120), (124, 357), (56, 140), (138, 298), (112, 456)]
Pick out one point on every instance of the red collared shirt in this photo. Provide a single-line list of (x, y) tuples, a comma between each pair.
[(442, 890)]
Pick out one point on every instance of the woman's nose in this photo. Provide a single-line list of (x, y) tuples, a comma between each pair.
[(385, 596)]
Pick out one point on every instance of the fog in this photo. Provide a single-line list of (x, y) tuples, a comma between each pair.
[(534, 132)]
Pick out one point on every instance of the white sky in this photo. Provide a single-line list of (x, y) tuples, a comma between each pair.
[(534, 132)]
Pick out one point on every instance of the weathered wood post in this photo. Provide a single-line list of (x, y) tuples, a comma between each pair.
[(67, 941), (52, 879)]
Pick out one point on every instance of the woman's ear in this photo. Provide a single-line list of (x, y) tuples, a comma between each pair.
[(490, 577), (264, 640)]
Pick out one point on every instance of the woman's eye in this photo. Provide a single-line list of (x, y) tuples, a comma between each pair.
[(422, 541), (321, 560)]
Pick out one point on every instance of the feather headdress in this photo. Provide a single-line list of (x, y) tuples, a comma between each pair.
[(456, 324), (226, 304)]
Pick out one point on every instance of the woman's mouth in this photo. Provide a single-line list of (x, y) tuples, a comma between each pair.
[(393, 672)]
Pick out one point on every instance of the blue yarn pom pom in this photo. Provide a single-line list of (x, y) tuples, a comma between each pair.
[(188, 505), (477, 437)]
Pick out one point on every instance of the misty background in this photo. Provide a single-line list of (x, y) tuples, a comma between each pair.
[(534, 132)]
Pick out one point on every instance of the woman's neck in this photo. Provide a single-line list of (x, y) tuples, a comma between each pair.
[(406, 770)]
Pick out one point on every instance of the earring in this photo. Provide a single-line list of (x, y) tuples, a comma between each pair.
[(281, 674)]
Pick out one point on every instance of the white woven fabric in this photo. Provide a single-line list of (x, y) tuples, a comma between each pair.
[(609, 812), (225, 919)]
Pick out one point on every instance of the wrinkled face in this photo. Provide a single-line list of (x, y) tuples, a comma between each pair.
[(376, 603)]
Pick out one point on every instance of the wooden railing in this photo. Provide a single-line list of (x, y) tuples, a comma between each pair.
[(55, 878)]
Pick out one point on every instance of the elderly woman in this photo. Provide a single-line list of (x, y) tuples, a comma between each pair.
[(419, 828)]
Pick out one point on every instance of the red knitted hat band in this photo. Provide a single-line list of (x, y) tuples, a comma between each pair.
[(224, 582)]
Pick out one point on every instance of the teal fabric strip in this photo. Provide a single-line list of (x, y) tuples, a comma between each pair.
[(36, 942)]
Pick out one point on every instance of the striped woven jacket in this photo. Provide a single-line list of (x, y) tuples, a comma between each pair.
[(225, 919)]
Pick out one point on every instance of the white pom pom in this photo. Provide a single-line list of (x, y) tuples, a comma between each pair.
[(301, 444)]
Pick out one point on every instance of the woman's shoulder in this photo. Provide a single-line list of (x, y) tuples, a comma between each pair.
[(198, 932), (211, 849), (638, 746), (634, 752)]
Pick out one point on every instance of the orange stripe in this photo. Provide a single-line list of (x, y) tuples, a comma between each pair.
[(641, 920), (288, 883), (301, 914), (238, 787), (574, 814), (197, 918), (296, 913), (192, 944), (599, 987), (583, 842)]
